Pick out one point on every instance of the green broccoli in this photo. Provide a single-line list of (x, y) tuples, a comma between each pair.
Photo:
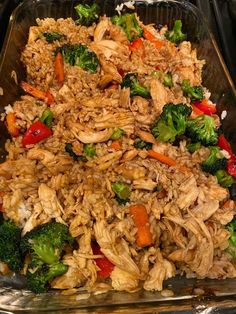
[(87, 14), (79, 55), (224, 179), (215, 161), (47, 117), (140, 144), (193, 92), (129, 23), (193, 147), (45, 244), (10, 236), (90, 150), (176, 35), (50, 37), (232, 240), (172, 122), (69, 150), (117, 134), (202, 129), (167, 80), (38, 279), (131, 81), (122, 191)]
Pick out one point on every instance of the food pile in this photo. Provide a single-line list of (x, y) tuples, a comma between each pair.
[(118, 175)]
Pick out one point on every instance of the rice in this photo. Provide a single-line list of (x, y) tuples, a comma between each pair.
[(186, 238)]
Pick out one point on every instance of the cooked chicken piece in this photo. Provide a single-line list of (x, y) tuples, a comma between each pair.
[(159, 95), (109, 48), (55, 164), (129, 155), (132, 173), (123, 280), (61, 108), (81, 219), (50, 203), (144, 184), (123, 120), (15, 207), (161, 271), (215, 192), (105, 80), (124, 100), (94, 137), (220, 239), (146, 136), (160, 147), (205, 210), (72, 278), (182, 255), (225, 214), (176, 234), (188, 193), (106, 161), (37, 218), (100, 30), (222, 269), (109, 68), (115, 249)]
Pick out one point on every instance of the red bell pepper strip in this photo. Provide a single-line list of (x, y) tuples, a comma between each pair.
[(45, 96), (205, 107), (231, 166), (106, 267), (11, 124), (37, 132), (136, 45), (224, 144)]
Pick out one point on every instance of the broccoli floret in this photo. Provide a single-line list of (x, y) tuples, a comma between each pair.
[(224, 179), (172, 122), (176, 35), (202, 129), (122, 191), (50, 37), (232, 240), (129, 23), (193, 147), (87, 14), (131, 81), (69, 150), (79, 55), (47, 117), (193, 92), (38, 279), (10, 236), (90, 150), (46, 242), (167, 80), (117, 134), (215, 161), (140, 144)]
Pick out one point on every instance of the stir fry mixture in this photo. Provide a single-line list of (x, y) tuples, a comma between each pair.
[(118, 175)]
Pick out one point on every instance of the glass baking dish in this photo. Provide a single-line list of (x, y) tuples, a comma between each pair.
[(215, 77)]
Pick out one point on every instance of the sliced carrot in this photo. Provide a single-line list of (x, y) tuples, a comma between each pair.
[(197, 111), (140, 217), (116, 145), (165, 160), (45, 96), (59, 68), (11, 124), (149, 36), (137, 45)]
